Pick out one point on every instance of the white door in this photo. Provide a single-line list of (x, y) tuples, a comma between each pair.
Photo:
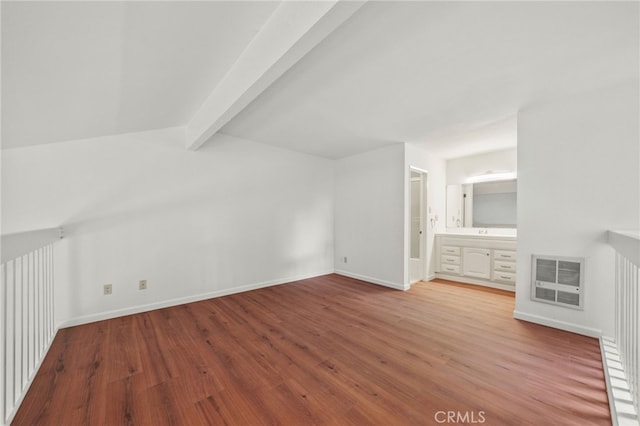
[(417, 248)]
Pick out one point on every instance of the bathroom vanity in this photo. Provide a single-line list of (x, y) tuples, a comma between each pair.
[(487, 259)]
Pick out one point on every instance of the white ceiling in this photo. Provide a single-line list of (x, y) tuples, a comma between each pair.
[(448, 75), (74, 70), (439, 73)]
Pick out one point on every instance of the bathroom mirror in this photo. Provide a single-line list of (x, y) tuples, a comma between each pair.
[(482, 205)]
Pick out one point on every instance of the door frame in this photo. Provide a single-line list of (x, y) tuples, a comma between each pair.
[(423, 272)]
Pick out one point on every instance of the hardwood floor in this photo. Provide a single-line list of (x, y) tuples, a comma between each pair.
[(328, 350)]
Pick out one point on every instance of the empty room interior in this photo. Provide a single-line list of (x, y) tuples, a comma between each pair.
[(320, 212)]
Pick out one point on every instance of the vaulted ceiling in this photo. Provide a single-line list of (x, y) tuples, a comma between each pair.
[(325, 78)]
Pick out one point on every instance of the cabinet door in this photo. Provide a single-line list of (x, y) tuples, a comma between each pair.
[(476, 262), (454, 206)]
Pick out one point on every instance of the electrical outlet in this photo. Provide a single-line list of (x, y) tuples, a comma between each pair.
[(142, 285), (108, 289), (344, 259)]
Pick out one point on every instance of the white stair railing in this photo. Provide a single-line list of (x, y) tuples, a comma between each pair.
[(26, 321), (621, 354)]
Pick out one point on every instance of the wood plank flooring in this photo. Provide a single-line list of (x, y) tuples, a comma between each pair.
[(328, 351)]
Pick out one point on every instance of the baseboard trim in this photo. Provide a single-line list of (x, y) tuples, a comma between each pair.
[(467, 280), (562, 325), (372, 280), (180, 301)]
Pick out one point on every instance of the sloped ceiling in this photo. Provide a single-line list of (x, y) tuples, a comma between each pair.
[(74, 70), (449, 75)]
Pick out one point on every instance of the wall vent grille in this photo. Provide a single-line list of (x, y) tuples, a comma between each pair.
[(558, 280)]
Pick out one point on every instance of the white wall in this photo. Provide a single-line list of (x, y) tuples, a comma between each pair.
[(578, 177), (436, 199), (233, 215), (370, 216), (459, 169)]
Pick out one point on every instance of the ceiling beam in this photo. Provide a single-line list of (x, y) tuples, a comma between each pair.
[(290, 33)]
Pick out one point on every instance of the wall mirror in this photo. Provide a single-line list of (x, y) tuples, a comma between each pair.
[(482, 205)]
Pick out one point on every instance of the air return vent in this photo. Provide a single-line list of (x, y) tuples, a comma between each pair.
[(558, 280)]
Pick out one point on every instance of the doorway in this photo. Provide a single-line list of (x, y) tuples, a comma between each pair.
[(418, 228)]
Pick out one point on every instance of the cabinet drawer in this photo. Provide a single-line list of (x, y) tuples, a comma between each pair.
[(450, 250), (504, 277), (504, 255), (452, 269), (453, 260), (499, 265)]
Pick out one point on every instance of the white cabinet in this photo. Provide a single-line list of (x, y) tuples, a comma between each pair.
[(451, 269), (454, 206), (450, 250), (477, 259), (450, 259), (476, 263), (504, 266)]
